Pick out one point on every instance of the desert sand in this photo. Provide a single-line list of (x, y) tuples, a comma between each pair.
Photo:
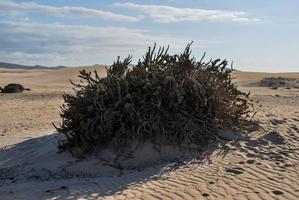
[(262, 165)]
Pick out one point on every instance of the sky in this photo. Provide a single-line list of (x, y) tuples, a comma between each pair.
[(257, 35)]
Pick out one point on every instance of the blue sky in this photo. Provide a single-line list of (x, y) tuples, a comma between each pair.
[(258, 35)]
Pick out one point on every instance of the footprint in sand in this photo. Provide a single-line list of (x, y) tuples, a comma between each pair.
[(294, 127), (252, 143), (296, 119), (250, 161), (205, 195), (278, 158), (277, 121), (57, 189), (251, 155), (277, 192), (274, 138), (235, 170)]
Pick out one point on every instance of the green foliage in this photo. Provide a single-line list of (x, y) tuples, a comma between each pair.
[(164, 98)]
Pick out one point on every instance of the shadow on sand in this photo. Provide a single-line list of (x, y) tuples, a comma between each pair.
[(34, 169)]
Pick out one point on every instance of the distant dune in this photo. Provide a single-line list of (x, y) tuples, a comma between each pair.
[(17, 66), (44, 80)]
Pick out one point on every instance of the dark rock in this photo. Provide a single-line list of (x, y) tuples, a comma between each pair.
[(13, 88)]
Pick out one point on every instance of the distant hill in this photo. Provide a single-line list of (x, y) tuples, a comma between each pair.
[(17, 66)]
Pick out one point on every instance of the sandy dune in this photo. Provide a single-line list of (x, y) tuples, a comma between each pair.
[(263, 165)]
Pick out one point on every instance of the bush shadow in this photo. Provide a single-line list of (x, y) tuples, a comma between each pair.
[(34, 168)]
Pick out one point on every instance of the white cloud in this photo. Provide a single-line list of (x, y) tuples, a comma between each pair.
[(12, 8), (56, 44), (166, 14)]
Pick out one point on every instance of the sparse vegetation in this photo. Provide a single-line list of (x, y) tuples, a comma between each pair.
[(13, 88), (168, 99), (276, 82)]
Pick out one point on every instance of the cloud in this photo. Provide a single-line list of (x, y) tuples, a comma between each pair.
[(56, 44), (11, 8), (167, 14)]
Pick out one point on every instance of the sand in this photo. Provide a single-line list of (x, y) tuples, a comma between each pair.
[(263, 165)]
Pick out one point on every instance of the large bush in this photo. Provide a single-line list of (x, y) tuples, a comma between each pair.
[(171, 99)]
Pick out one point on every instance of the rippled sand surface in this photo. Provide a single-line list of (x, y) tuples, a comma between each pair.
[(264, 165)]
